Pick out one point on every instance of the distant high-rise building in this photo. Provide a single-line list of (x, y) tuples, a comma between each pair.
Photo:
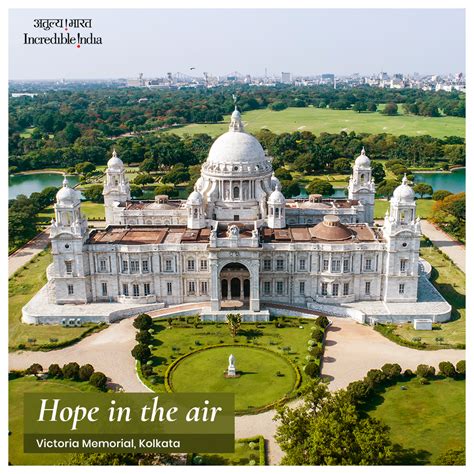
[(327, 77), (286, 77)]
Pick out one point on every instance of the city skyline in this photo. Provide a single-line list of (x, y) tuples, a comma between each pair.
[(154, 42)]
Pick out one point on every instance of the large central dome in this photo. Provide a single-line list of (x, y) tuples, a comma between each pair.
[(237, 148)]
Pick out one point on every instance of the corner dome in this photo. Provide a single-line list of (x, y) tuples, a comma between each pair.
[(115, 162), (276, 197), (67, 195), (195, 198), (362, 160), (331, 229), (404, 192)]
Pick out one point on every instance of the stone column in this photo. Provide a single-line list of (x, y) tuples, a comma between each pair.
[(228, 282), (215, 291), (241, 289), (254, 287)]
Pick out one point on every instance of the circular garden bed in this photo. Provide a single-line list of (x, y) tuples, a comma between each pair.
[(265, 376)]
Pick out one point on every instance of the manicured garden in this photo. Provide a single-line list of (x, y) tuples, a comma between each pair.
[(203, 371), (22, 286), (273, 359), (426, 419)]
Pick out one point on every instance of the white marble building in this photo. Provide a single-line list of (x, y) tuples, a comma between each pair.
[(235, 242)]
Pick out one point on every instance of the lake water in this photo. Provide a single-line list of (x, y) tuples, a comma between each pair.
[(34, 183), (454, 181)]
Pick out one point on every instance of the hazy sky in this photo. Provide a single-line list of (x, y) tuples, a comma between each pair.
[(222, 41)]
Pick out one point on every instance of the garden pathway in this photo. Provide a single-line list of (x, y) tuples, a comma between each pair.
[(351, 350)]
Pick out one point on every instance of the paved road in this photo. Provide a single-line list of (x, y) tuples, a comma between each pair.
[(32, 248), (449, 246), (24, 254), (351, 350)]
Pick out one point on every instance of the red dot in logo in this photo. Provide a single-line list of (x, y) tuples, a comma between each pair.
[(78, 46)]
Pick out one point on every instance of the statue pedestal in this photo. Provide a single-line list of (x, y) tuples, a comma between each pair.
[(231, 371)]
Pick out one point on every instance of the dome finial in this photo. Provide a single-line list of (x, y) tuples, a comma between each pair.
[(236, 124), (363, 151), (405, 180), (65, 182), (114, 153)]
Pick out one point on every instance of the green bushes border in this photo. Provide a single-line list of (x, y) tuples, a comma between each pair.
[(286, 398)]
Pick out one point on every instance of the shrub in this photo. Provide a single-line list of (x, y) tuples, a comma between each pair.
[(312, 342), (55, 371), (34, 369), (85, 372), (452, 457), (424, 381), (408, 374), (99, 380), (143, 321), (317, 335), (71, 371), (358, 391), (141, 352), (447, 369), (143, 336), (311, 369), (391, 371), (322, 321), (316, 351), (425, 371), (253, 445), (374, 377), (461, 367)]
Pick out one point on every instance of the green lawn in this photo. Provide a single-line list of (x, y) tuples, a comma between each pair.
[(203, 371), (451, 283), (334, 121), (171, 342), (427, 419), (424, 208), (92, 210), (22, 286), (16, 389)]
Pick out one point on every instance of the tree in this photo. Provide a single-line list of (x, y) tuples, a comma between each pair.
[(391, 371), (342, 165), (318, 186), (452, 457), (461, 367), (143, 322), (386, 188), (372, 107), (447, 369), (144, 337), (311, 369), (71, 371), (166, 189), (290, 188), (390, 109), (54, 371), (143, 178), (359, 106), (34, 369), (85, 167), (422, 189), (136, 191), (283, 174), (375, 377), (327, 429), (440, 194), (94, 193), (358, 391), (178, 174), (234, 321), (141, 352), (99, 380), (378, 172), (85, 372), (425, 371)]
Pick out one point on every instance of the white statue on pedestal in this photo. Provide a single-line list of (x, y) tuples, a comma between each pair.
[(231, 369)]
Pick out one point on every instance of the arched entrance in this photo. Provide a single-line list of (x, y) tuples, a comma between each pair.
[(235, 286)]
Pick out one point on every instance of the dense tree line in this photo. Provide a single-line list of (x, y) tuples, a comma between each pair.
[(67, 123)]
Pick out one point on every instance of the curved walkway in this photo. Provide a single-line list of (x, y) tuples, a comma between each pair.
[(351, 350)]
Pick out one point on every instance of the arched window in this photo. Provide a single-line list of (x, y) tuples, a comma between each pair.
[(277, 212), (195, 212), (236, 192), (362, 178)]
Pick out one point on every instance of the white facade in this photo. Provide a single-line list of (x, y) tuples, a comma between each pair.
[(236, 238)]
